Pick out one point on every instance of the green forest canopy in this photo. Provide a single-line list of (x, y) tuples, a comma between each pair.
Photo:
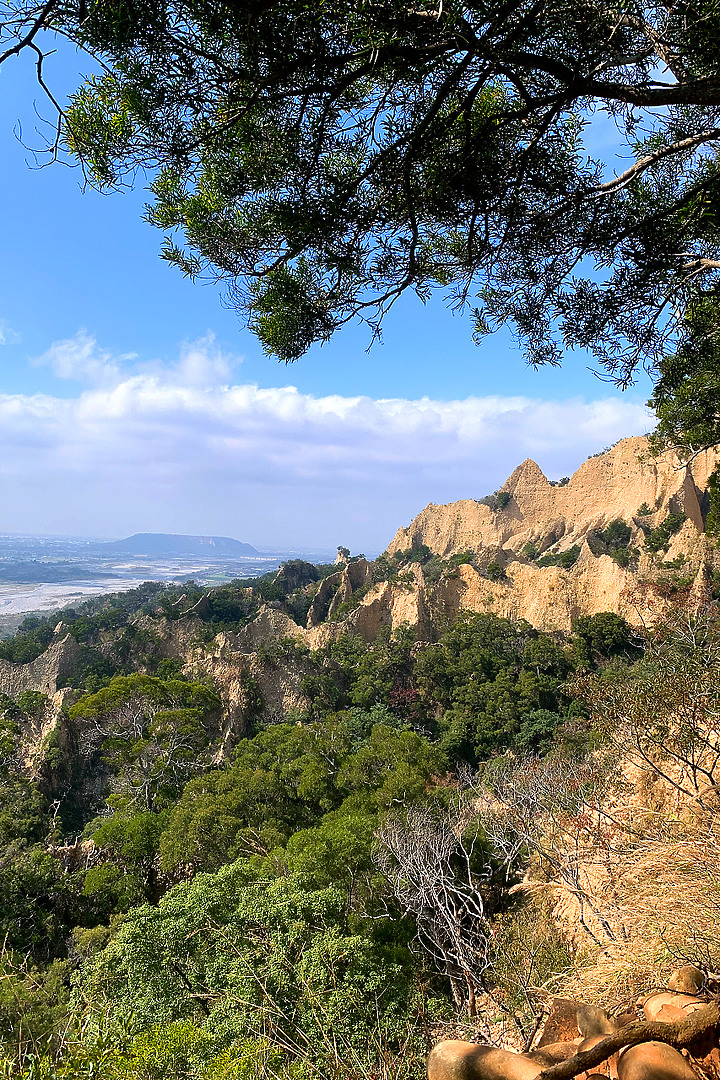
[(273, 847), (181, 898), (221, 918)]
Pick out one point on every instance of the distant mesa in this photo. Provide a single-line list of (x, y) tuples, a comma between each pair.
[(176, 544)]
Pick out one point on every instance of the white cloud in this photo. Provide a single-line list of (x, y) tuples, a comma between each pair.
[(179, 448), (202, 364), (8, 336), (199, 364), (80, 358)]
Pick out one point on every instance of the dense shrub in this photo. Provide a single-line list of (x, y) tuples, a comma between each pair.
[(499, 500), (615, 535), (614, 540), (602, 636), (495, 572), (564, 559), (32, 639), (658, 539), (231, 960)]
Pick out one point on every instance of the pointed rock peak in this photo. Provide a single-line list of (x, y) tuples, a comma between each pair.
[(527, 475)]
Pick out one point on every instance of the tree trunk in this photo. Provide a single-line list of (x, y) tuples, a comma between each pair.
[(471, 1003)]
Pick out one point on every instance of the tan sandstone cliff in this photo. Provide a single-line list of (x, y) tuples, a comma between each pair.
[(611, 485), (614, 484)]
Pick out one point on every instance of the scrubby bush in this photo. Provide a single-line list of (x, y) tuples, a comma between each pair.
[(564, 559), (625, 556), (32, 639), (658, 539), (601, 636), (615, 535), (495, 572), (499, 500), (712, 520), (613, 540)]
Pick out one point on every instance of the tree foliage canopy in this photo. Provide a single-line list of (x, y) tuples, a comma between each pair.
[(321, 160), (687, 394)]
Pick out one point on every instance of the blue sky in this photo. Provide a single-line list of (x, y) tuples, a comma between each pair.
[(128, 401)]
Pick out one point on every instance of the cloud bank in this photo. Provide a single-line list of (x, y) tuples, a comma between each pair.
[(183, 448)]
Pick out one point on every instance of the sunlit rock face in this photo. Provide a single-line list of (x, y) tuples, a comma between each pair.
[(555, 518)]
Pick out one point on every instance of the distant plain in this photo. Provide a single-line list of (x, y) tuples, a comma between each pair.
[(45, 573)]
